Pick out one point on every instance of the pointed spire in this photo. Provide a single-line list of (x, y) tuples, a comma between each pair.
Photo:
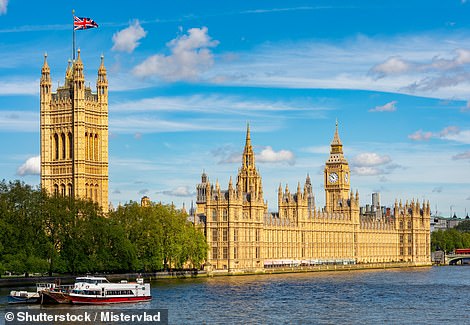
[(79, 59), (336, 139), (248, 154), (336, 149), (102, 69), (45, 66), (78, 69), (248, 138), (45, 71)]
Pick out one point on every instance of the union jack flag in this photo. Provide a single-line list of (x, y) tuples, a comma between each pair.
[(83, 23)]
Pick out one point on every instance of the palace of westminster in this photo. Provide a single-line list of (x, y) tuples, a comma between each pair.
[(241, 234)]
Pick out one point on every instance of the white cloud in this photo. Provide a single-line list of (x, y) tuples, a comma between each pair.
[(19, 87), (371, 164), (420, 135), (366, 171), (269, 155), (227, 154), (451, 133), (143, 191), (389, 107), (180, 191), (19, 121), (32, 166), (127, 39), (460, 136), (463, 155), (393, 65), (461, 57), (324, 150), (190, 56), (3, 6), (369, 159), (434, 74), (217, 103)]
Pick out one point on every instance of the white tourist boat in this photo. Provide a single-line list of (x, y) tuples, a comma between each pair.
[(98, 290)]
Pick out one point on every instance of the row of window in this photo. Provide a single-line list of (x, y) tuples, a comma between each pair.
[(215, 235), (225, 215), (222, 253), (62, 146), (63, 189), (91, 146), (91, 192), (408, 224), (119, 292)]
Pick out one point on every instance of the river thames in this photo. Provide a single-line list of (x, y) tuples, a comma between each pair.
[(432, 295)]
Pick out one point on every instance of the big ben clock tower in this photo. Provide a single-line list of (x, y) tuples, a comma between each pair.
[(337, 178)]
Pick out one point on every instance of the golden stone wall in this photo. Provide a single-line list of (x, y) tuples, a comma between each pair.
[(242, 235), (74, 135)]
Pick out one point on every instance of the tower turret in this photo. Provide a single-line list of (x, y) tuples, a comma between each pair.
[(248, 178), (102, 83), (336, 177), (74, 136)]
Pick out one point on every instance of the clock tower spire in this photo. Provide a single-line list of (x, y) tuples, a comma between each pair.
[(337, 179)]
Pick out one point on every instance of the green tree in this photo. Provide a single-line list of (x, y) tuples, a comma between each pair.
[(463, 226), (22, 239)]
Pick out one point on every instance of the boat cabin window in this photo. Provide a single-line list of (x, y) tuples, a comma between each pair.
[(92, 280)]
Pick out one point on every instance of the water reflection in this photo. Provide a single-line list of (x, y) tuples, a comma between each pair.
[(411, 296)]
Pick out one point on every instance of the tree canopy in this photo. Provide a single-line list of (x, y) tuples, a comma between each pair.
[(41, 233), (450, 239)]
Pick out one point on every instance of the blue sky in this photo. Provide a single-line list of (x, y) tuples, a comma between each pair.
[(185, 78)]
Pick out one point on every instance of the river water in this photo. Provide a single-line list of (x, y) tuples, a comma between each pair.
[(434, 295)]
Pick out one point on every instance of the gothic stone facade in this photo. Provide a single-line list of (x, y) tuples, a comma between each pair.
[(242, 235), (74, 135)]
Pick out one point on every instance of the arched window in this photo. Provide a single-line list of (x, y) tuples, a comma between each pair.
[(63, 146), (70, 145), (62, 189), (95, 144), (96, 192), (90, 146), (56, 189), (56, 146), (69, 189), (86, 190), (86, 145)]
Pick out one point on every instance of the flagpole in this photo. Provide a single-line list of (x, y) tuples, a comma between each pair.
[(73, 35)]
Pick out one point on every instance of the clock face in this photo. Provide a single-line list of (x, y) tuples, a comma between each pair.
[(346, 177), (333, 177)]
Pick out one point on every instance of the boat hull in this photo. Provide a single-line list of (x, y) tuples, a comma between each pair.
[(107, 300), (54, 297), (22, 300)]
